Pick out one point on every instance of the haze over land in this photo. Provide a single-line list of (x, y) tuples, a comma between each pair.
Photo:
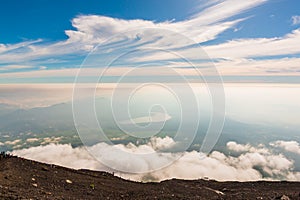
[(251, 147)]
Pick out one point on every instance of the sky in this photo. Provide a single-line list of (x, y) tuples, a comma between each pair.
[(43, 41)]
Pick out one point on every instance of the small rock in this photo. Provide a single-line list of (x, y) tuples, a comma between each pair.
[(284, 197), (92, 186), (225, 190), (45, 169), (34, 184), (33, 179), (68, 181)]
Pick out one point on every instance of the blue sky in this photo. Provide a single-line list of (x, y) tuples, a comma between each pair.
[(40, 36), (48, 19)]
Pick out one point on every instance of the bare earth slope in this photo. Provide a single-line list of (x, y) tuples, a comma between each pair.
[(26, 179)]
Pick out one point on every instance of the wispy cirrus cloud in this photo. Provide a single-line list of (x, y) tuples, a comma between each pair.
[(225, 9), (14, 67), (257, 47), (234, 57), (6, 48), (235, 67), (243, 48), (92, 30)]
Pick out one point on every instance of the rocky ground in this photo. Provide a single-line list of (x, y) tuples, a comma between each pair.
[(26, 179)]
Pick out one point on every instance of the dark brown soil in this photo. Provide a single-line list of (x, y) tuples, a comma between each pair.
[(26, 179)]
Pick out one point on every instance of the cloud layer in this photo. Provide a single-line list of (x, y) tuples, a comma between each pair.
[(251, 163)]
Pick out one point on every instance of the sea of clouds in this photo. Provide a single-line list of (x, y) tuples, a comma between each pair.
[(246, 162)]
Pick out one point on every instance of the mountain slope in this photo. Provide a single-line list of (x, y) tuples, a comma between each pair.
[(26, 179)]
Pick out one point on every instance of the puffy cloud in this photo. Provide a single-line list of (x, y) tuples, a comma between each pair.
[(52, 139), (60, 154), (295, 19), (12, 142), (290, 146), (237, 147), (32, 139), (231, 145), (254, 163)]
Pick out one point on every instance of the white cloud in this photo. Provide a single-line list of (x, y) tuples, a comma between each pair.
[(239, 57), (256, 47), (295, 19), (235, 57), (238, 66), (42, 67), (32, 140), (48, 140), (92, 30), (204, 26), (237, 147), (237, 29), (11, 47), (241, 48), (191, 165), (12, 142), (226, 9), (14, 67), (232, 145), (60, 154), (290, 146)]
